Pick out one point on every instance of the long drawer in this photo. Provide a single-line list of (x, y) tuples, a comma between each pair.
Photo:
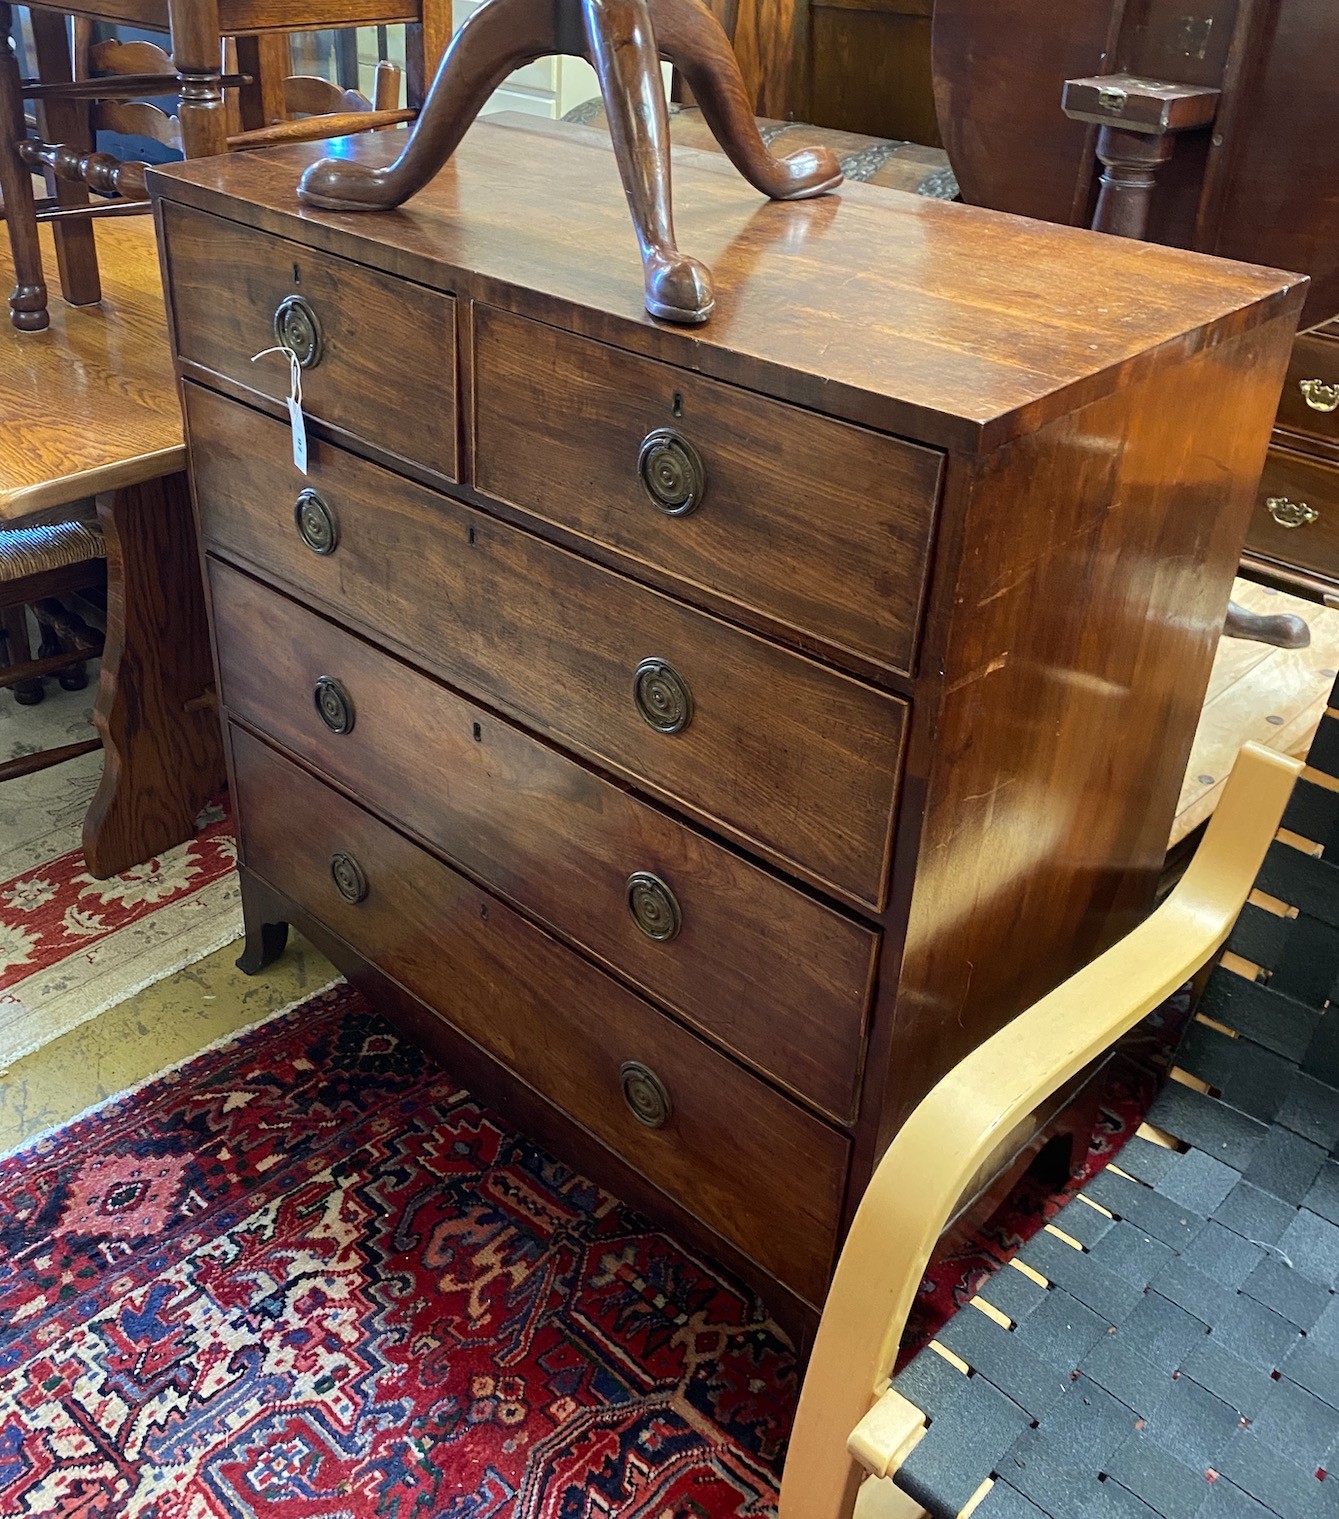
[(797, 761), (773, 975), (347, 318), (1296, 519), (819, 525), (743, 1159)]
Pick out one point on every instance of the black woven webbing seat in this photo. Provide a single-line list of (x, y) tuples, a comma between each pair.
[(1169, 1345)]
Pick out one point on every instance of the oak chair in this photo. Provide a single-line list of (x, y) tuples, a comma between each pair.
[(1153, 1340), (253, 106)]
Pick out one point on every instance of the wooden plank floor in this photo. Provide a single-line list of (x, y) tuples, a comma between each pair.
[(1269, 696)]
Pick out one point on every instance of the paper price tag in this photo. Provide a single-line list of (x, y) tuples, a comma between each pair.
[(293, 401), (299, 434)]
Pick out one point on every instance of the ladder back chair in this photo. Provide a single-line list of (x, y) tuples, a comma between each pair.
[(252, 106)]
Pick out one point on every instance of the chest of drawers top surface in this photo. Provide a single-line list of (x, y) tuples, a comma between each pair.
[(956, 326)]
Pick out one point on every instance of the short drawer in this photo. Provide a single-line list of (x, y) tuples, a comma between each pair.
[(818, 525), (739, 1156), (1310, 400), (793, 759), (779, 979), (1296, 519), (378, 340)]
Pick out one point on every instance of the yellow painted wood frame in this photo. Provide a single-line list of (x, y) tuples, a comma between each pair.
[(852, 1431)]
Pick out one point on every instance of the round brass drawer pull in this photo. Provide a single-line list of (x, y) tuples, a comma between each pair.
[(334, 705), (296, 328), (645, 1094), (673, 475), (662, 698), (316, 523), (654, 907), (1290, 513), (1319, 395), (348, 877)]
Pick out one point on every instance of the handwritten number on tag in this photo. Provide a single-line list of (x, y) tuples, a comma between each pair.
[(294, 403)]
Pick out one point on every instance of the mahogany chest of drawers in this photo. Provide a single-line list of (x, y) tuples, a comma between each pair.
[(1293, 539), (702, 738)]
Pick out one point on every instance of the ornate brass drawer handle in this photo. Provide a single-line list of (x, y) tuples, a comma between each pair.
[(662, 697), (654, 907), (316, 523), (672, 473), (1319, 395), (348, 876), (646, 1094), (334, 705), (1290, 513), (297, 328)]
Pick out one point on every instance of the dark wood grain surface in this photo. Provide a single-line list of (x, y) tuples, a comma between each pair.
[(1302, 481), (943, 322), (742, 1158), (796, 760), (763, 969), (840, 556)]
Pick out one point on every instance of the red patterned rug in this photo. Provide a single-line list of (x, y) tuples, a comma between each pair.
[(308, 1275)]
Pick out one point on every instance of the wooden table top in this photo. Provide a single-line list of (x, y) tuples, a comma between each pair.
[(955, 325), (91, 403)]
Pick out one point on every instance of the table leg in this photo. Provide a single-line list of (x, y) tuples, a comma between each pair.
[(27, 303), (162, 748)]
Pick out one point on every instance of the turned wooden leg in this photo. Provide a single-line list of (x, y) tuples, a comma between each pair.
[(623, 51), (691, 37), (197, 52), (1130, 164), (66, 121), (497, 39), (163, 751), (266, 933), (27, 303)]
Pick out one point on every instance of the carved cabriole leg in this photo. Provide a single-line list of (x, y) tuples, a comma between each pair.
[(28, 302), (163, 751), (498, 38), (692, 39), (623, 51), (197, 52)]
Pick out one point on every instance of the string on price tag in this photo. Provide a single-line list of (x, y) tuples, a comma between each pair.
[(294, 403)]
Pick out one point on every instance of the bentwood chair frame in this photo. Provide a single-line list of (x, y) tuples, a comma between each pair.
[(853, 1429)]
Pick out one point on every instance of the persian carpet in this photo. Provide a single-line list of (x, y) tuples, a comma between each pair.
[(72, 946), (308, 1275)]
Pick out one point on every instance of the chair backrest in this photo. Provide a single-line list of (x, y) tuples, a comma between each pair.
[(1261, 183), (132, 118)]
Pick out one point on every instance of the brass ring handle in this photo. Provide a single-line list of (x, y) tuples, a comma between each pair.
[(1290, 513), (1319, 395), (645, 1094), (654, 907), (316, 523), (672, 472), (348, 876), (662, 696), (334, 705), (297, 328)]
